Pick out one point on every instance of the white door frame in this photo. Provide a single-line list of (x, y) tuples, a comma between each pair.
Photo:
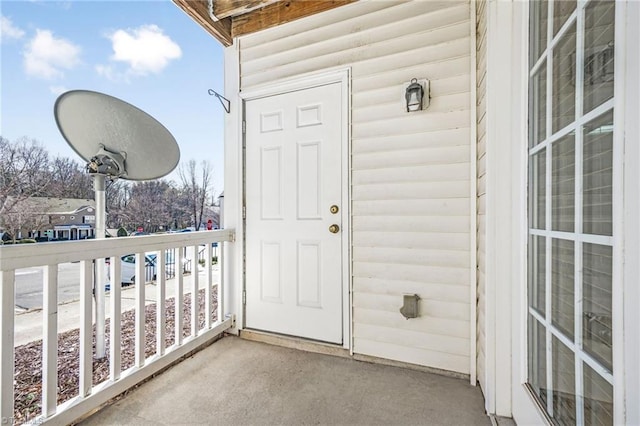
[(308, 81)]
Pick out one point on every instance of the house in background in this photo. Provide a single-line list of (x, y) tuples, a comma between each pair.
[(52, 218), (500, 211), (73, 223)]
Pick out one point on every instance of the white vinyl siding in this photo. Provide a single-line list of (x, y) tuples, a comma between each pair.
[(481, 72), (410, 172)]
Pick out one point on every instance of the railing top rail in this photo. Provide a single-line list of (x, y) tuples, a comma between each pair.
[(39, 254)]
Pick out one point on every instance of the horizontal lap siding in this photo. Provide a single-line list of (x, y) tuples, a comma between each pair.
[(481, 72), (410, 172)]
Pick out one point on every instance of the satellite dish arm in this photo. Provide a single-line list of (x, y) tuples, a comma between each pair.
[(108, 163)]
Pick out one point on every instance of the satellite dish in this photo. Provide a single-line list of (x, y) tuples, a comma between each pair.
[(117, 140), (114, 137)]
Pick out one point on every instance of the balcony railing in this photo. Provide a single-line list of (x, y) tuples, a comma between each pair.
[(178, 259)]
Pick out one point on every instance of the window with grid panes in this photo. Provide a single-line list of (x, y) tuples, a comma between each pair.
[(570, 244)]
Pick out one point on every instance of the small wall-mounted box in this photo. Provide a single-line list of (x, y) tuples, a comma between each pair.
[(409, 308)]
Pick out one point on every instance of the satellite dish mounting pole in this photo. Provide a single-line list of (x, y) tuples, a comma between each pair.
[(100, 278), (101, 205)]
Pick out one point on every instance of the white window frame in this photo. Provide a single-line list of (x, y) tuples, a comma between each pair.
[(626, 231), (507, 227), (627, 107)]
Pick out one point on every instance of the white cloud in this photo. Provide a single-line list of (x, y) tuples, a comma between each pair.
[(105, 71), (8, 30), (145, 49), (57, 90), (110, 73), (46, 56)]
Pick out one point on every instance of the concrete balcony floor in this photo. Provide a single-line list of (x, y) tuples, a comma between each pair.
[(240, 382)]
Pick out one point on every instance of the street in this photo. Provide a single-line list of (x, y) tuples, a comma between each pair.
[(28, 323), (29, 285)]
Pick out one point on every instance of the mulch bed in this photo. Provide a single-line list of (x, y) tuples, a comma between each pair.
[(28, 358)]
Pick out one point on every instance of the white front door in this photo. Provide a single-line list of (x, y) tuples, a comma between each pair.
[(294, 226)]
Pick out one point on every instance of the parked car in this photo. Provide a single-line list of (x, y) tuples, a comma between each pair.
[(128, 268), (170, 261)]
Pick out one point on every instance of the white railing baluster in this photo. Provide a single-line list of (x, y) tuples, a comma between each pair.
[(115, 330), (179, 300), (86, 328), (50, 340), (160, 302), (98, 297), (139, 307), (7, 304), (194, 291), (220, 288), (209, 282)]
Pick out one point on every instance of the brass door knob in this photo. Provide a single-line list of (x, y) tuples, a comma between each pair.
[(334, 229), (334, 209)]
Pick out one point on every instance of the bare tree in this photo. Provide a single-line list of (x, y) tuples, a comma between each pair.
[(69, 179), (23, 172), (24, 215), (196, 187), (150, 205), (26, 171), (118, 194)]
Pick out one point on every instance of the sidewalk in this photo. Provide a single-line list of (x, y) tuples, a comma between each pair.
[(28, 324)]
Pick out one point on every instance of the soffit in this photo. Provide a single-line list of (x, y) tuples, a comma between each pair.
[(235, 18)]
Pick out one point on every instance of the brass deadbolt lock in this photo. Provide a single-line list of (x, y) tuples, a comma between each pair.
[(334, 209), (334, 229)]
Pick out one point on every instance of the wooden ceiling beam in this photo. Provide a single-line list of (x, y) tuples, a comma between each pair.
[(226, 8), (198, 10), (279, 13)]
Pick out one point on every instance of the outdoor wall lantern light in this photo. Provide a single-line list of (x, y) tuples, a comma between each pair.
[(415, 95)]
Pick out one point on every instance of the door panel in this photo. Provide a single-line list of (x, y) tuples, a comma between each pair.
[(293, 177)]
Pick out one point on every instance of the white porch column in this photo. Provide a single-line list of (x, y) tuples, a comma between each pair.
[(506, 201), (231, 211)]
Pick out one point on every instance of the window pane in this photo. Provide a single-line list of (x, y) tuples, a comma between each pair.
[(564, 384), (539, 10), (538, 358), (562, 285), (563, 184), (598, 399), (538, 107), (596, 292), (537, 268), (597, 176), (562, 9), (564, 89), (599, 58), (537, 190)]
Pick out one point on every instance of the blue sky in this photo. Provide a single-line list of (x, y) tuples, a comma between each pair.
[(147, 53)]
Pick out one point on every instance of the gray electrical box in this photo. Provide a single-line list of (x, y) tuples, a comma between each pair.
[(410, 306)]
